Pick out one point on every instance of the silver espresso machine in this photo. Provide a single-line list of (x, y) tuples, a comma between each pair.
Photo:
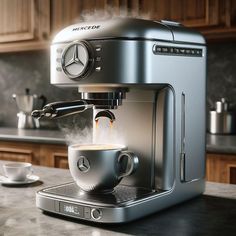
[(151, 76)]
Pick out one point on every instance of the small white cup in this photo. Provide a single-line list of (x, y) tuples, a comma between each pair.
[(18, 171)]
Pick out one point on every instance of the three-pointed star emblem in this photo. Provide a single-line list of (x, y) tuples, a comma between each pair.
[(83, 164), (75, 58)]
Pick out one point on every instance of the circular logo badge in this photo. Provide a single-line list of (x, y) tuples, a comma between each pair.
[(83, 164), (75, 60)]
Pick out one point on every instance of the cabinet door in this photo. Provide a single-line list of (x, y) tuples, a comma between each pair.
[(192, 13), (23, 22), (16, 154), (17, 20), (232, 173), (60, 160), (19, 151), (221, 168), (54, 156)]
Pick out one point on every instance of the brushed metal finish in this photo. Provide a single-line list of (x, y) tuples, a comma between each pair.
[(61, 109), (136, 203), (128, 28), (164, 149), (222, 120), (222, 123), (26, 103), (26, 121), (152, 121)]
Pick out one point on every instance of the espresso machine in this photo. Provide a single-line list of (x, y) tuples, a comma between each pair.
[(149, 78)]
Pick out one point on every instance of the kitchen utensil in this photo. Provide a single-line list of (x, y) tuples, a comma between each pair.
[(222, 120), (26, 103)]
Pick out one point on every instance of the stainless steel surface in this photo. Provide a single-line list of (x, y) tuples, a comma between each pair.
[(26, 121), (104, 98), (61, 109), (119, 197), (99, 168), (222, 120), (127, 203), (105, 114), (164, 161), (128, 28), (222, 105), (26, 103), (161, 66)]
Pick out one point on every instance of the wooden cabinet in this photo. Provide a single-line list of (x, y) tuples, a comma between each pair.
[(38, 154), (221, 168), (214, 18), (31, 24), (24, 24)]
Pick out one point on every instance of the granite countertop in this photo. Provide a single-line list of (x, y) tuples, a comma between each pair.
[(213, 213)]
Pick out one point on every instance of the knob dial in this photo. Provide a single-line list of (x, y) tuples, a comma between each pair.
[(75, 60), (96, 214)]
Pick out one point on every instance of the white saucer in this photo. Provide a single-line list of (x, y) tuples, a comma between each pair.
[(31, 179)]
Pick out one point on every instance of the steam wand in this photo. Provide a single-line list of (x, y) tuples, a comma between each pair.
[(61, 109)]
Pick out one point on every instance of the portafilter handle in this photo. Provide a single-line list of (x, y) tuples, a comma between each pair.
[(61, 109)]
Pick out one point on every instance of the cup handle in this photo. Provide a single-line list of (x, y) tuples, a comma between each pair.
[(30, 173), (132, 160)]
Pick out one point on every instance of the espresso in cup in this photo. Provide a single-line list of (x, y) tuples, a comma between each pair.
[(18, 171), (100, 167)]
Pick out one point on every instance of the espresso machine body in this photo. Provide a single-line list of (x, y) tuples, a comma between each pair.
[(153, 77)]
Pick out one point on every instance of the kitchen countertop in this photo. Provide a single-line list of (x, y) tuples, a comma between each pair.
[(215, 143), (221, 143), (213, 213), (32, 135)]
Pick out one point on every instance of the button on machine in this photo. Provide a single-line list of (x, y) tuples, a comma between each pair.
[(177, 51), (96, 214), (87, 212)]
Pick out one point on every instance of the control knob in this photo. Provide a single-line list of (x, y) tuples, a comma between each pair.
[(96, 214)]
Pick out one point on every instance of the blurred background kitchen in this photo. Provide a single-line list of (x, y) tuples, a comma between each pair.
[(28, 26)]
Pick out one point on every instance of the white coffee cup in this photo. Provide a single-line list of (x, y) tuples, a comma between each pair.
[(100, 167), (17, 171)]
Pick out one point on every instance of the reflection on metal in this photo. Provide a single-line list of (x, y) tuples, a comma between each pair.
[(106, 113)]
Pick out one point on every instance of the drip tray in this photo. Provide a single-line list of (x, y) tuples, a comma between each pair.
[(120, 196)]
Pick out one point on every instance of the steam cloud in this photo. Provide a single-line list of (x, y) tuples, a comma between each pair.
[(81, 129), (110, 13), (77, 128)]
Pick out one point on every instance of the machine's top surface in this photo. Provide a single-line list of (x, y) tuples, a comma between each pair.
[(129, 28)]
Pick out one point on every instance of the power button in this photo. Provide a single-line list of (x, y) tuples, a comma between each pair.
[(96, 214)]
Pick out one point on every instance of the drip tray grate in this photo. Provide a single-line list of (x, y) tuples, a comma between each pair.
[(121, 194)]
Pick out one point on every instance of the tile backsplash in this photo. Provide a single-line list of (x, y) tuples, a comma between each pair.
[(32, 70)]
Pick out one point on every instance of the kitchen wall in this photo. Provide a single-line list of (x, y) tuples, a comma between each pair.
[(26, 70), (31, 70), (221, 72)]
